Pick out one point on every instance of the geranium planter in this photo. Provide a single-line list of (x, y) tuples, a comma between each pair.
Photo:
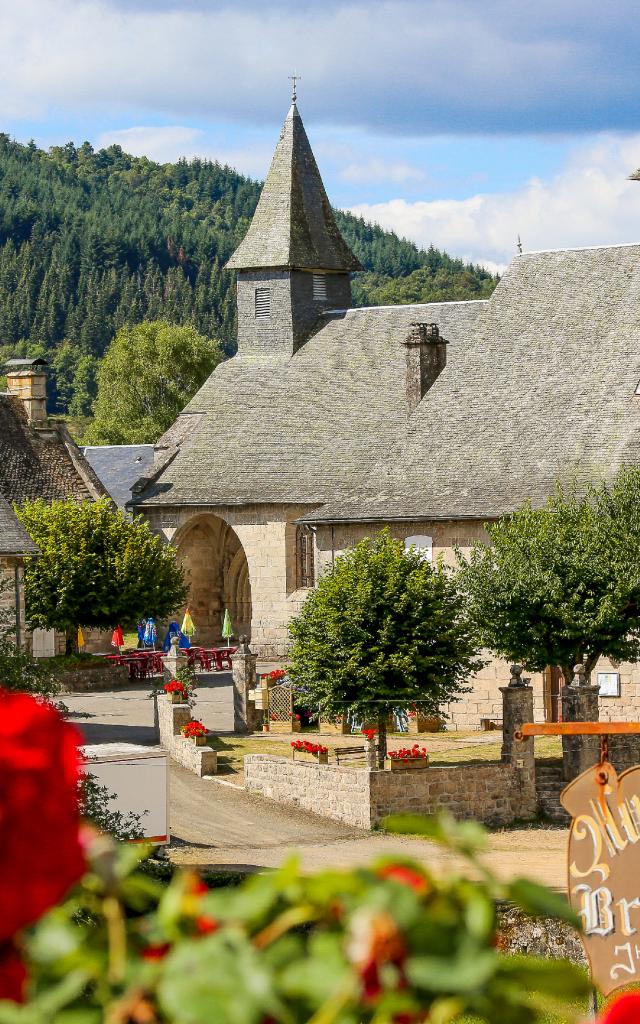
[(303, 755), (198, 741), (177, 698), (403, 764)]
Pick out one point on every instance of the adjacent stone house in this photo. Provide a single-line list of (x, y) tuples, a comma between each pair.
[(38, 459), (432, 419), (15, 546)]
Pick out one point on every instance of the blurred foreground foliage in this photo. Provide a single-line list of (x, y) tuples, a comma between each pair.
[(389, 944)]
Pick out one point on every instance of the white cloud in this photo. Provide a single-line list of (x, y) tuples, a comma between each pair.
[(400, 66), (590, 202), (376, 171), (167, 143)]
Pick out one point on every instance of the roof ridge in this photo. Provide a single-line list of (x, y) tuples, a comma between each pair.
[(579, 248)]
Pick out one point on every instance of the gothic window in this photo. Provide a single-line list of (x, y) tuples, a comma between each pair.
[(304, 557), (320, 287), (263, 303)]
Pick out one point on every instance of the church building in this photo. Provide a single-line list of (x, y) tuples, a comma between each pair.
[(332, 422)]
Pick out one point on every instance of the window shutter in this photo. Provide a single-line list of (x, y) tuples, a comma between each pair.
[(263, 303)]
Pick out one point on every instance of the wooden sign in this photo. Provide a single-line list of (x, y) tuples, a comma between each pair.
[(604, 870)]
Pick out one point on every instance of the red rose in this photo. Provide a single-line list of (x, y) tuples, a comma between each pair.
[(625, 1010), (40, 852), (156, 952)]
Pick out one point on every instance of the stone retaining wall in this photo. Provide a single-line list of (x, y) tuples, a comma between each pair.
[(492, 793), (87, 678), (171, 717)]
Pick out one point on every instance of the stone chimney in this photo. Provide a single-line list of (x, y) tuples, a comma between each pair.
[(426, 359), (27, 380)]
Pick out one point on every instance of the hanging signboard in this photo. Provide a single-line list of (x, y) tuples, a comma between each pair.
[(604, 854), (604, 875)]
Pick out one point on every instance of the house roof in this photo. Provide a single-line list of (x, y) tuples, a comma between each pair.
[(43, 463), (14, 539), (543, 389), (293, 226), (301, 429), (119, 466)]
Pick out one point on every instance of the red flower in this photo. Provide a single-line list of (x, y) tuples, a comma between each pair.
[(40, 852), (406, 876), (625, 1010), (369, 734), (175, 686), (13, 975), (308, 747), (194, 728), (206, 925), (406, 752), (156, 951)]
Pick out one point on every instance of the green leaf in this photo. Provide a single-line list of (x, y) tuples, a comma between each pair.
[(559, 978), (540, 901), (455, 975)]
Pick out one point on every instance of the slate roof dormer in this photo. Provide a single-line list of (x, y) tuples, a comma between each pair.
[(293, 227)]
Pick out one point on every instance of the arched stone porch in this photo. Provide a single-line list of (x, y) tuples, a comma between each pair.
[(217, 575)]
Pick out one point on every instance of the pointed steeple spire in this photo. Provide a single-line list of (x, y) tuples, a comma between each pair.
[(293, 227)]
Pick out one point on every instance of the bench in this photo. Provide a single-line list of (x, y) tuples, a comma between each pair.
[(349, 754)]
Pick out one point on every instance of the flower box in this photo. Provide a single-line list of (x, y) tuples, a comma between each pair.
[(302, 755), (177, 698), (402, 764), (198, 741)]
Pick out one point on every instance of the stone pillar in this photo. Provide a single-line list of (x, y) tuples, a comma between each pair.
[(579, 704), (174, 661), (517, 708), (371, 753), (171, 718), (245, 715)]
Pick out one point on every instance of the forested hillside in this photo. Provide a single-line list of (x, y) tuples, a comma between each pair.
[(90, 241)]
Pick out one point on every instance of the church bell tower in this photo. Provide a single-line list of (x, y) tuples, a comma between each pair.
[(293, 263)]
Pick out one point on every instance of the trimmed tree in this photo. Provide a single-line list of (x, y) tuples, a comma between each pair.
[(147, 376), (96, 567), (561, 584), (383, 630)]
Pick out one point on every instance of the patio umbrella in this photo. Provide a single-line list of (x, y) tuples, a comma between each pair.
[(117, 639), (150, 634), (227, 628), (187, 626), (80, 638), (174, 630)]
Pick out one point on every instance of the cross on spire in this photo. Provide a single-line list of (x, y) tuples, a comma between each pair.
[(295, 79)]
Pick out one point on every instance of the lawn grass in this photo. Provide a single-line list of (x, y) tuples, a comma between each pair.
[(233, 749)]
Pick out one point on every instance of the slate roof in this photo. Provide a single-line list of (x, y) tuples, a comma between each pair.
[(119, 466), (293, 226), (543, 388), (304, 429), (43, 463), (14, 539)]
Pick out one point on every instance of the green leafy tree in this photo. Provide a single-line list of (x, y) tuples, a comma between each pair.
[(96, 567), (383, 630), (561, 584), (146, 378)]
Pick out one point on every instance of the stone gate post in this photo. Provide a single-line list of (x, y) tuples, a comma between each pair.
[(517, 708), (579, 704), (244, 679), (174, 661)]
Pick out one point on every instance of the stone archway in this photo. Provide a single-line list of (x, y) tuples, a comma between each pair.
[(217, 575)]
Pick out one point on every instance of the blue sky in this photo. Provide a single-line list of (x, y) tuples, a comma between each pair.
[(463, 123)]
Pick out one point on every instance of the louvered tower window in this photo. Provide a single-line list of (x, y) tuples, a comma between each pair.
[(263, 303), (320, 287), (304, 557)]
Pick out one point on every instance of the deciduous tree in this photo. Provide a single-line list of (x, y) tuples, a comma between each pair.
[(561, 583), (383, 630), (148, 374), (96, 567)]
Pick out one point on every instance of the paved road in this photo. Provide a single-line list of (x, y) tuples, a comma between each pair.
[(218, 824)]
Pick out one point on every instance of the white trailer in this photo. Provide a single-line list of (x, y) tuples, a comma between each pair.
[(140, 780)]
